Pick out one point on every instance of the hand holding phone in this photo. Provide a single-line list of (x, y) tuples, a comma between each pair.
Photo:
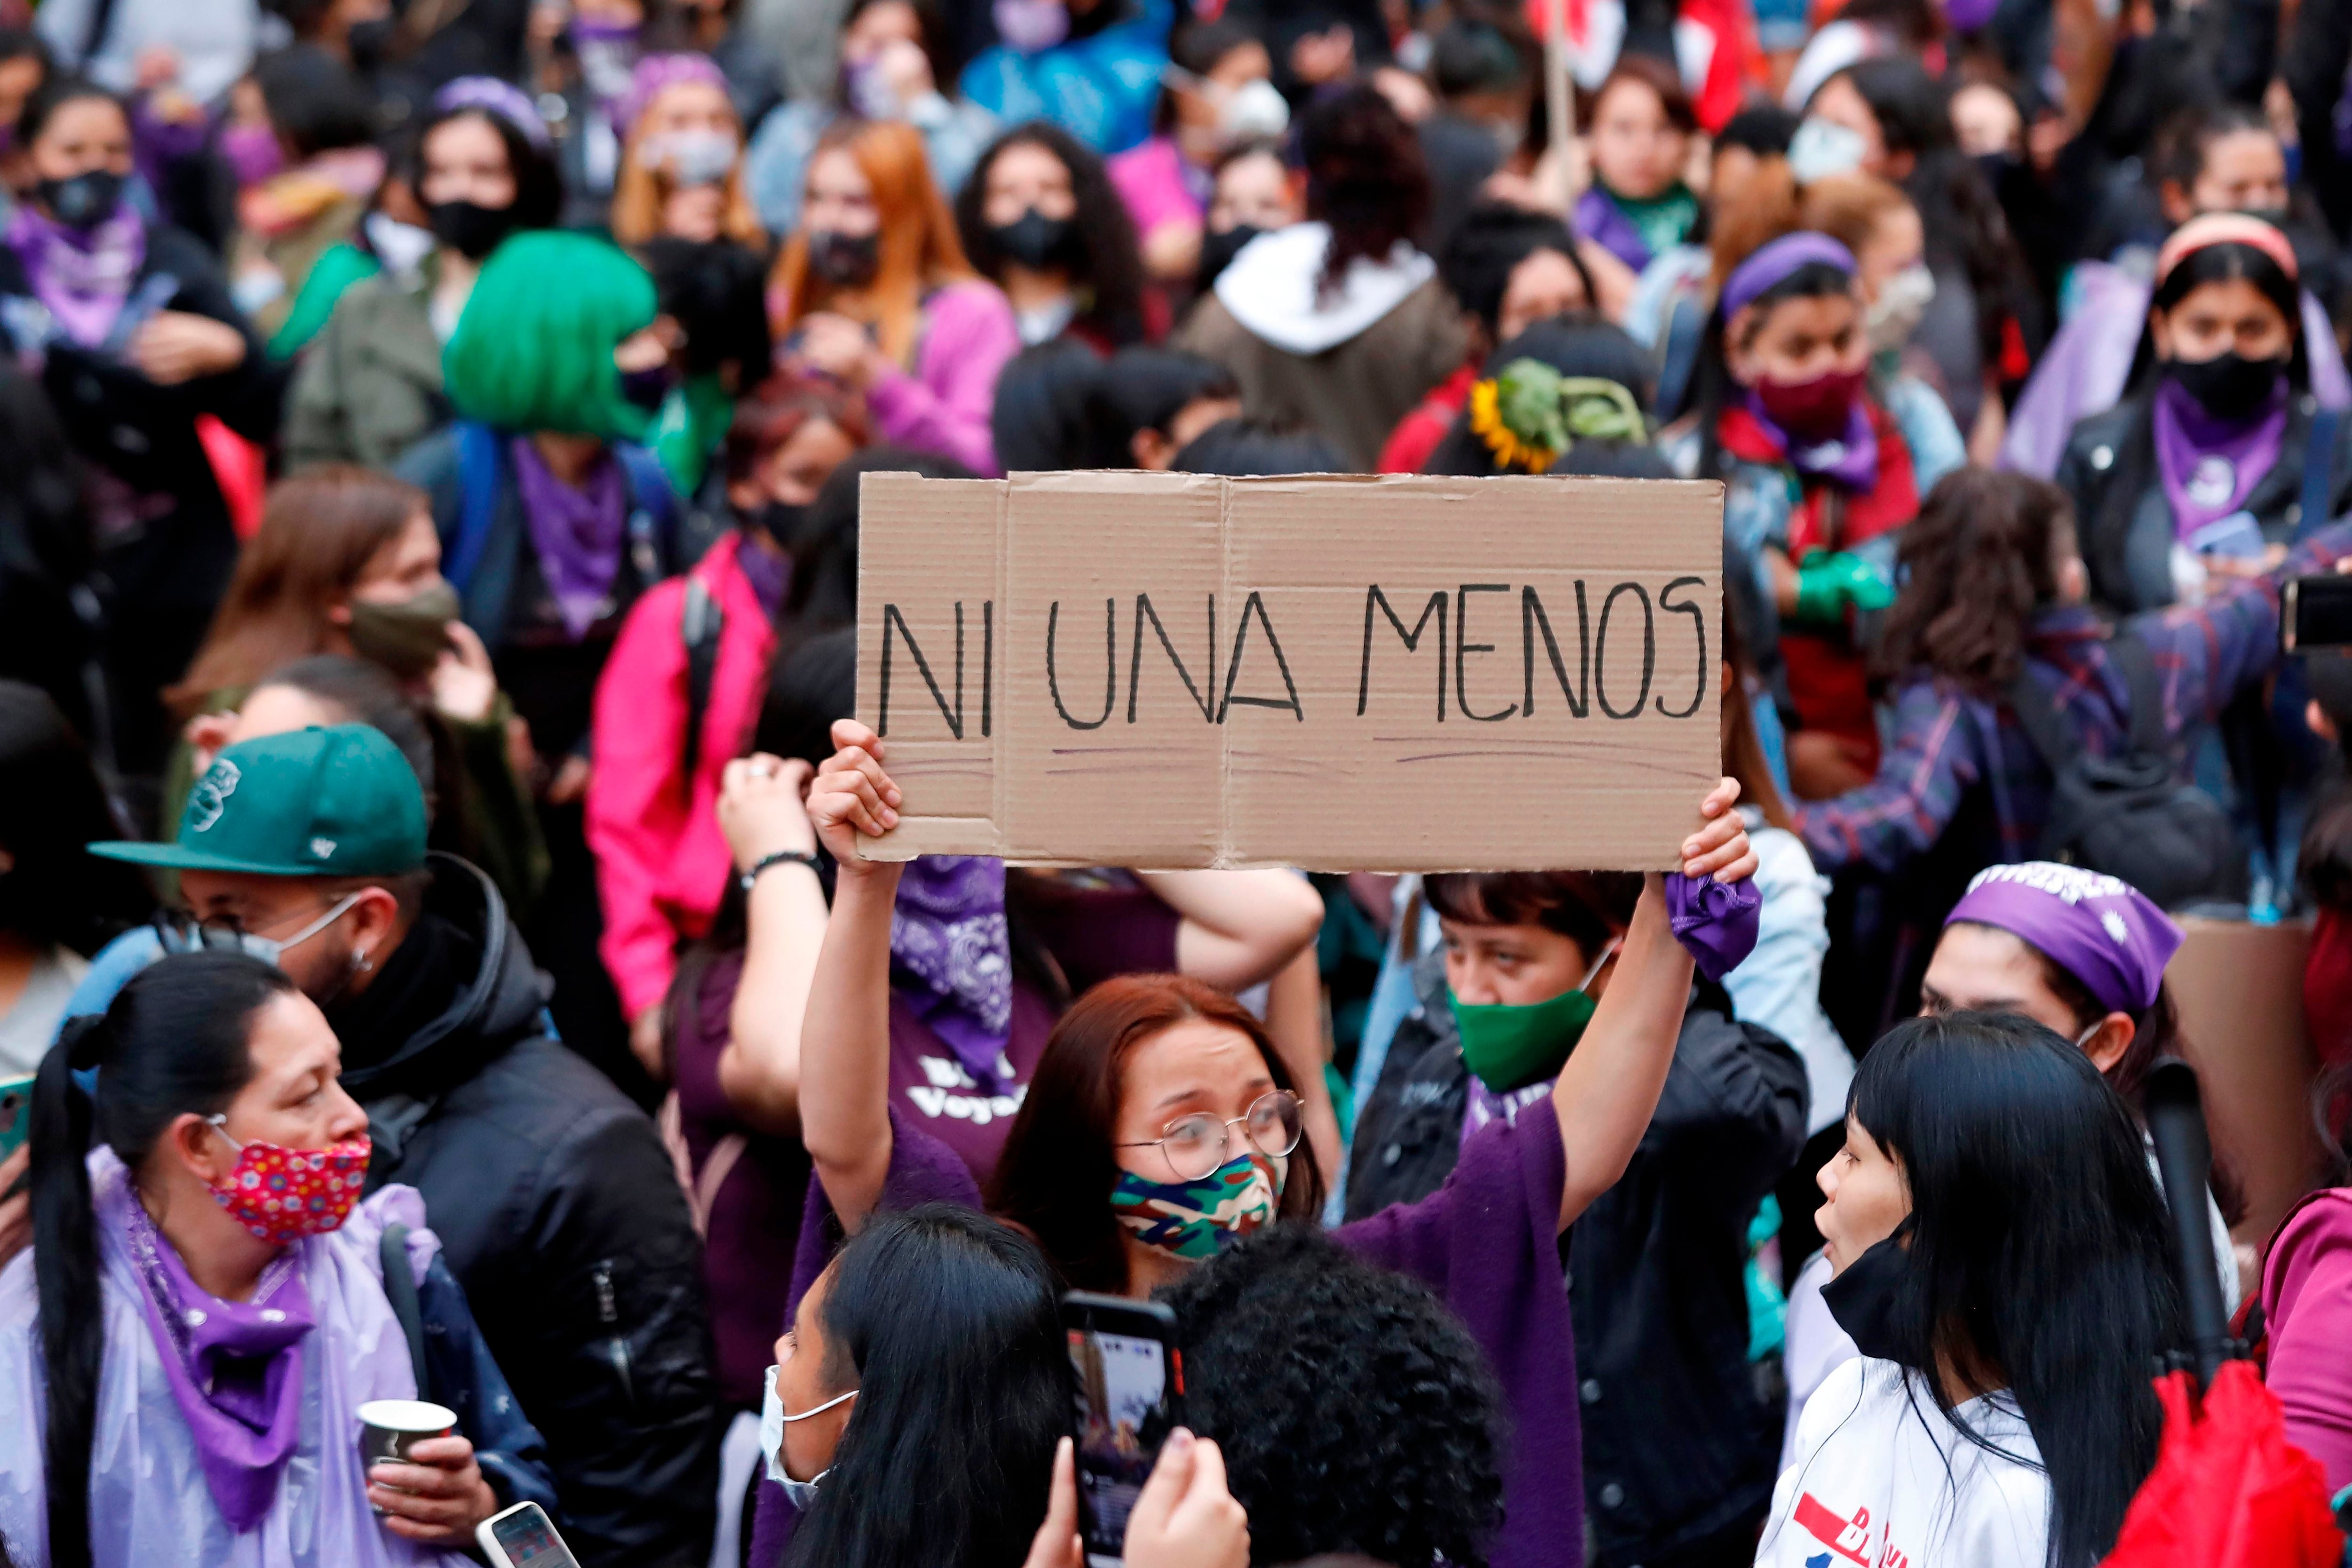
[(523, 1537), (1184, 1518), (1128, 1376)]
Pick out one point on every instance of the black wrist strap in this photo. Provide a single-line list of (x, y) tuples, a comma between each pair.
[(781, 857)]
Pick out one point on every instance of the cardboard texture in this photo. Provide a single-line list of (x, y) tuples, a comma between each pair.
[(1338, 673)]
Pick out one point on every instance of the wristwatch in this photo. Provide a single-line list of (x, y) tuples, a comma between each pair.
[(781, 857)]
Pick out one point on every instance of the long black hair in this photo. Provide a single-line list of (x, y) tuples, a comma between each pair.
[(1107, 272), (2039, 1259), (51, 804), (172, 1043), (945, 1323), (539, 183), (2106, 533)]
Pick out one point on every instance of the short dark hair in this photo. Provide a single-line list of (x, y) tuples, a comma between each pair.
[(1586, 907), (1149, 387), (1474, 55), (1491, 240), (315, 104), (367, 696), (1240, 448), (1354, 1412)]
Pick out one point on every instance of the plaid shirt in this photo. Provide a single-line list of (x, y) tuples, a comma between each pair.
[(1943, 739)]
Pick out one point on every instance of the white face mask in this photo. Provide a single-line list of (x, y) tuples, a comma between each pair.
[(1253, 110), (772, 1421), (1902, 300), (270, 949), (1823, 148)]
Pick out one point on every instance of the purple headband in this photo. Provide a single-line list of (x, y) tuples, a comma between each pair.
[(1771, 264), (656, 73), (491, 96), (2104, 933)]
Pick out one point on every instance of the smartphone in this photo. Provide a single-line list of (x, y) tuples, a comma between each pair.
[(1126, 1385), (523, 1537), (2316, 612), (16, 1113)]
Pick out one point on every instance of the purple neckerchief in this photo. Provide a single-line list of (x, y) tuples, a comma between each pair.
[(82, 278), (235, 1367), (576, 532), (1597, 218), (947, 937), (2211, 466), (769, 571), (1851, 460)]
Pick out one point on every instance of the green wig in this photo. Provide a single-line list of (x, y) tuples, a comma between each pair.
[(534, 350)]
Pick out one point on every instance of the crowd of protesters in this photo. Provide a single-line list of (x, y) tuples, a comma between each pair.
[(437, 961)]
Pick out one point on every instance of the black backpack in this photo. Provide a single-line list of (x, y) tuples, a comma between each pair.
[(2128, 816)]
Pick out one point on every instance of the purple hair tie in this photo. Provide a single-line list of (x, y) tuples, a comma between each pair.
[(491, 96), (1770, 264), (656, 73), (1715, 921)]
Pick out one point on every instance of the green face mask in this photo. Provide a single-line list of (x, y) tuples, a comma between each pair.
[(405, 635), (1511, 1047)]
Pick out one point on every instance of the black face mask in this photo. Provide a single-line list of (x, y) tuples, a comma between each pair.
[(779, 520), (2228, 385), (648, 388), (1034, 240), (84, 201), (471, 229), (1867, 1300), (844, 260), (1218, 250)]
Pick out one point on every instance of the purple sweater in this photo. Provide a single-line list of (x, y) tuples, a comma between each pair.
[(944, 406), (1486, 1243)]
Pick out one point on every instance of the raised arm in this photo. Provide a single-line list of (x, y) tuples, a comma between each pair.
[(1605, 1095), (762, 812), (1240, 927), (844, 1050)]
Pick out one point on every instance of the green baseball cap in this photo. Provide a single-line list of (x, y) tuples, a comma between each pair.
[(337, 802)]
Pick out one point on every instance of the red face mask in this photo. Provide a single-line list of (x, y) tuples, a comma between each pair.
[(283, 1195), (1812, 410)]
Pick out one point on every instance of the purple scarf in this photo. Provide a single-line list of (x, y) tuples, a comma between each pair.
[(1851, 460), (1597, 218), (235, 1367), (82, 278), (769, 572), (576, 532), (2211, 466), (952, 958)]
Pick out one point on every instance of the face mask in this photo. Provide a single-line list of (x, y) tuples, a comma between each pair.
[(1253, 110), (2228, 385), (253, 152), (1511, 1047), (1815, 409), (1902, 300), (271, 950), (1867, 1300), (471, 229), (691, 158), (1822, 147), (844, 260), (1034, 240), (1218, 250), (283, 1195), (84, 201), (772, 1421), (406, 636), (1194, 1220), (1028, 26), (399, 246), (780, 520), (868, 94)]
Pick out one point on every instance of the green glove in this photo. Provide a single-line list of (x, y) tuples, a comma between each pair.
[(1829, 582)]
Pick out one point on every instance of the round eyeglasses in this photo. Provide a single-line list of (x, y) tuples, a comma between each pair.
[(1195, 1145)]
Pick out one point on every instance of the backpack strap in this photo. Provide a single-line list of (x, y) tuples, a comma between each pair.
[(2049, 733), (2319, 468), (477, 482), (400, 1290), (2145, 720), (653, 512), (701, 622)]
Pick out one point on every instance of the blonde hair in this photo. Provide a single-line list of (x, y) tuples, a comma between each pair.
[(917, 251), (1850, 207), (639, 191)]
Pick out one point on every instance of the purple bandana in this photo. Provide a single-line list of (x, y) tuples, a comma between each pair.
[(1771, 264), (2211, 466), (82, 278), (577, 533), (951, 956), (235, 1367), (654, 74), (2104, 933), (1597, 218), (494, 97), (1851, 460), (769, 571)]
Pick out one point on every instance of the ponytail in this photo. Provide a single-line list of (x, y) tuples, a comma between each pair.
[(173, 1042)]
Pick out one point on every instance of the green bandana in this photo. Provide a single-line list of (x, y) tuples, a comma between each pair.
[(1512, 1047)]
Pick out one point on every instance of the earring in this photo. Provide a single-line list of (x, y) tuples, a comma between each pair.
[(363, 962)]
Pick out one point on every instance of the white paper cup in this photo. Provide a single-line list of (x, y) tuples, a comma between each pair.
[(390, 1427)]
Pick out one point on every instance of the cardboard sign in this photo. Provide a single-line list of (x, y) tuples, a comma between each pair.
[(1167, 670)]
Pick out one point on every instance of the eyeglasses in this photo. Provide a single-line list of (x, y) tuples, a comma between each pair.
[(1195, 1145)]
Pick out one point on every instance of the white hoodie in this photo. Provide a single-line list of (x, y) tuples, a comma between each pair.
[(1270, 288), (1882, 1479)]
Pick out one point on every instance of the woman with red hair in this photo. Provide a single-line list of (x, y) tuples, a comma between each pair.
[(875, 294)]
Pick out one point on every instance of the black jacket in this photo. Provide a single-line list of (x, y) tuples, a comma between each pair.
[(1678, 1443), (558, 1210)]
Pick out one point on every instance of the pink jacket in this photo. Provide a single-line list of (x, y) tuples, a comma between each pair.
[(661, 862), (944, 407), (2307, 1308)]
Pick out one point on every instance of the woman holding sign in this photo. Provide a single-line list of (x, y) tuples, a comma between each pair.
[(1161, 1125)]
